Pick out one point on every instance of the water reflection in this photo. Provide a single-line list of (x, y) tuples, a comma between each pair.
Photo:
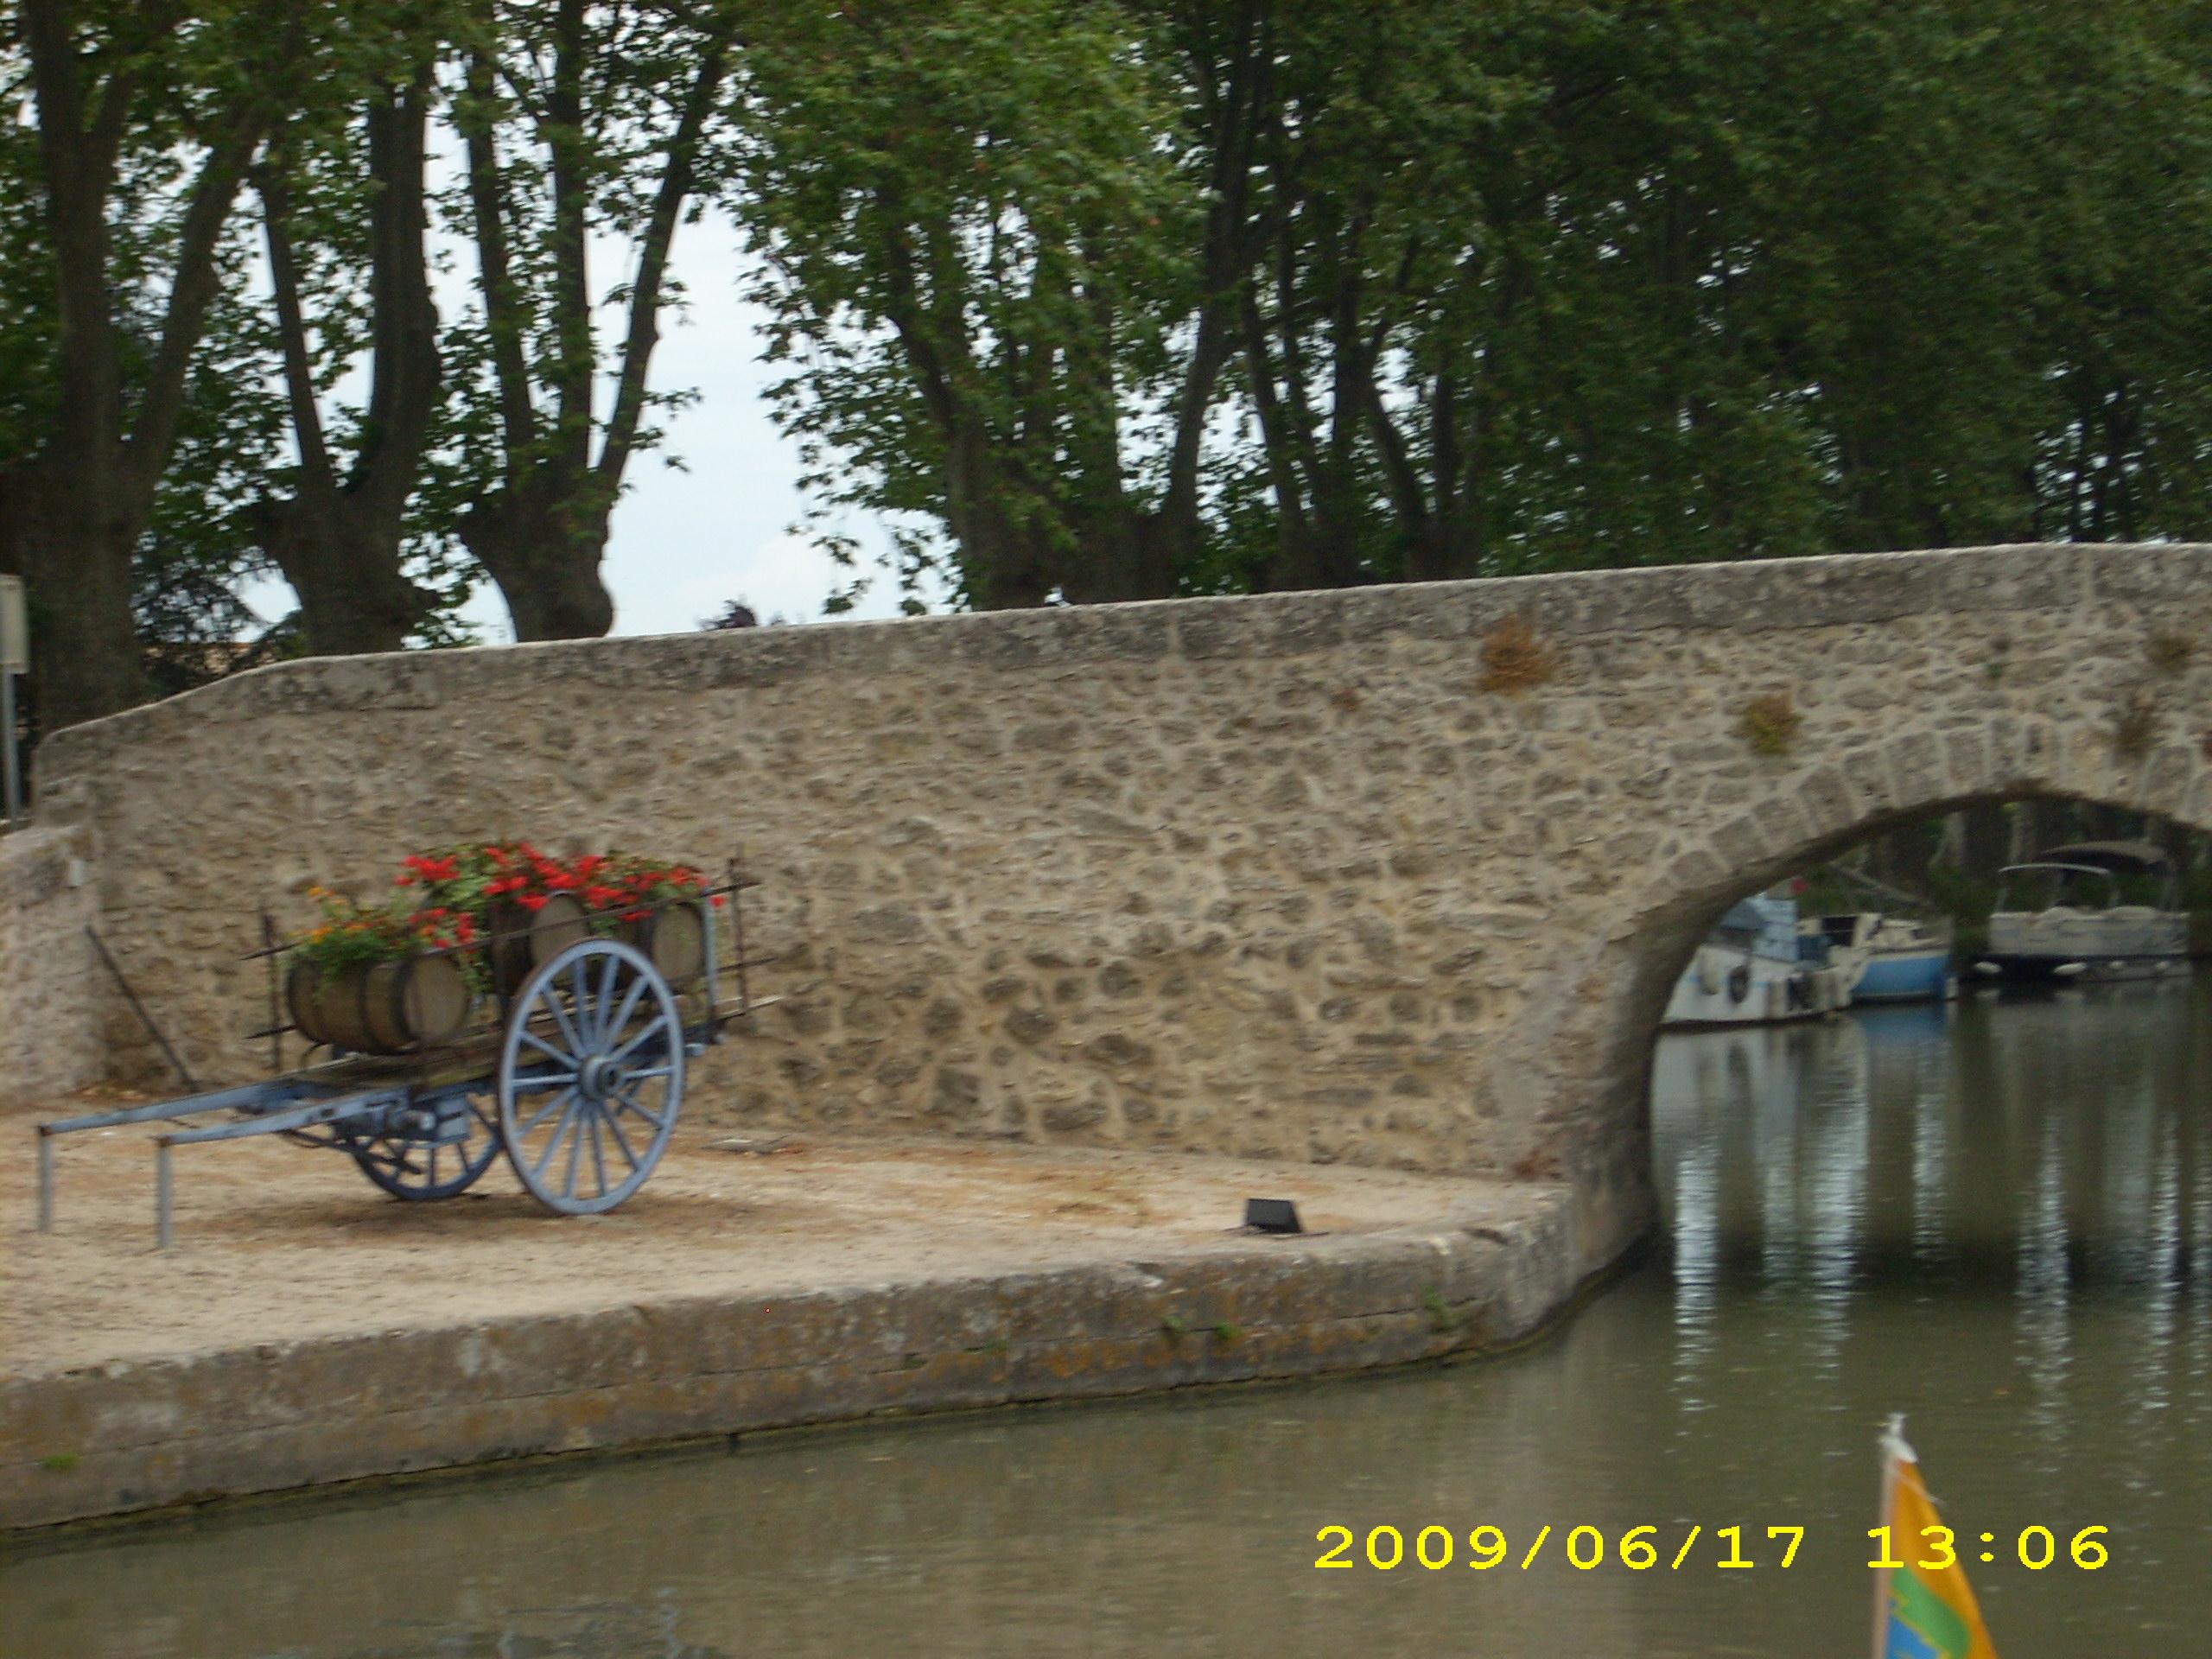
[(1997, 1217)]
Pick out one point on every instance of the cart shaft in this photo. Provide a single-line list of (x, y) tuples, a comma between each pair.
[(247, 1097)]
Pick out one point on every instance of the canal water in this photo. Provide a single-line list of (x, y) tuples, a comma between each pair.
[(1996, 1218)]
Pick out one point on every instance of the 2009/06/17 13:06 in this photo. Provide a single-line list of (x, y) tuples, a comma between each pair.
[(1586, 1548)]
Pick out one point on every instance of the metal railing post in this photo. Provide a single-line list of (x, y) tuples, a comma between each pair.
[(45, 1180), (13, 791), (14, 658), (163, 1231)]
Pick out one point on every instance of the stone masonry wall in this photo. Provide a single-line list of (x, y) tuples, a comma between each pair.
[(50, 1002), (1324, 876)]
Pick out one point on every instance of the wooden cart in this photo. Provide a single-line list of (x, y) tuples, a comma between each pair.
[(576, 1075)]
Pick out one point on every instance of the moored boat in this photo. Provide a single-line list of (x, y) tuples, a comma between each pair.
[(1907, 959), (1759, 966), (2096, 909)]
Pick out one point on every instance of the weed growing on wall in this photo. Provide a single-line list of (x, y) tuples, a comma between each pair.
[(2135, 727), (1769, 724), (1514, 660), (2169, 651)]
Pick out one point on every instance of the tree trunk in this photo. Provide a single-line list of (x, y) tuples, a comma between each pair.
[(1443, 547), (1007, 564), (1132, 554), (69, 526), (1902, 857), (2051, 821), (1315, 550), (1984, 840), (341, 556), (543, 548), (340, 545)]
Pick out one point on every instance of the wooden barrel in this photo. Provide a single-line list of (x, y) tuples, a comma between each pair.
[(674, 939), (381, 1008), (416, 1003), (326, 1008), (522, 939)]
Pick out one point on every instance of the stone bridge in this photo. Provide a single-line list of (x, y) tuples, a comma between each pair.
[(1395, 875)]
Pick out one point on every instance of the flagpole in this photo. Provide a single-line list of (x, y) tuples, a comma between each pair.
[(1890, 1441)]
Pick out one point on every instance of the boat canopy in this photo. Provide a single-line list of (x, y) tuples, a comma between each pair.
[(2119, 857)]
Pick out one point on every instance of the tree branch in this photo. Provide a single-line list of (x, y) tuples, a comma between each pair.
[(406, 370), (292, 330), (192, 291), (76, 200), (643, 332), (503, 308), (563, 130)]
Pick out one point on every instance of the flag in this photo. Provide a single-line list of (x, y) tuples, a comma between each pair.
[(1920, 1613)]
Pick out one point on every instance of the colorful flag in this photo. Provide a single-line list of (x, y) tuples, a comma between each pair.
[(1920, 1611)]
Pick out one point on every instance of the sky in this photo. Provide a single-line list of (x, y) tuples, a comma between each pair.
[(685, 543)]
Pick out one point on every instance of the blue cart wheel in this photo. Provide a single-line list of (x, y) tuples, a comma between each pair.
[(591, 1076), (421, 1172)]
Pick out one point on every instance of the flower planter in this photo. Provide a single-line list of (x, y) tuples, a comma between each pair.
[(522, 939), (673, 938), (380, 1008)]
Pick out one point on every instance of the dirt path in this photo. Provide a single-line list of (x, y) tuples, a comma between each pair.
[(277, 1242)]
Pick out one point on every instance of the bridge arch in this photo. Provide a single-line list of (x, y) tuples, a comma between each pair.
[(1394, 875), (1646, 960)]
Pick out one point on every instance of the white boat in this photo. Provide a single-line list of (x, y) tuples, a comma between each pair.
[(1759, 966), (1907, 959), (2097, 910)]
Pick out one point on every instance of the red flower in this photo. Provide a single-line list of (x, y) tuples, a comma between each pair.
[(531, 900), (720, 898)]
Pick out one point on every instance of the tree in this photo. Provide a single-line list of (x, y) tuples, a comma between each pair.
[(973, 228), (338, 536), (581, 121), (1454, 291), (148, 118)]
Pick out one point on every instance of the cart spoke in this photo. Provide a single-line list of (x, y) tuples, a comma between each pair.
[(552, 1145), (629, 1006), (577, 1047), (526, 1080), (657, 1023), (598, 1150), (576, 1147), (606, 995), (580, 997), (560, 1100), (547, 1049), (545, 1112), (658, 1123), (614, 1128)]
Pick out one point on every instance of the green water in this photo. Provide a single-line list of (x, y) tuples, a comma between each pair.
[(1996, 1218)]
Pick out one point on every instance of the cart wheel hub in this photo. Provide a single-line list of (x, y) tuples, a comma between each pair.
[(599, 1076)]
